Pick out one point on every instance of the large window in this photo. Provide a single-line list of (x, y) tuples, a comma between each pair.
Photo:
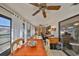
[(32, 30), (5, 33), (28, 30), (24, 30), (69, 35)]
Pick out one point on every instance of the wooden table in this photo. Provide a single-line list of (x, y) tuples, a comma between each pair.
[(53, 41), (38, 50)]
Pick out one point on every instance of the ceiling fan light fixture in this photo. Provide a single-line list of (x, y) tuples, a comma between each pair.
[(43, 7), (76, 24)]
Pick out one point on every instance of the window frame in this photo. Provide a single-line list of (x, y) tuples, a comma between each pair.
[(6, 17), (59, 24)]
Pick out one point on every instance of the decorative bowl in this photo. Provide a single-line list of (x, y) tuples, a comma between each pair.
[(31, 43)]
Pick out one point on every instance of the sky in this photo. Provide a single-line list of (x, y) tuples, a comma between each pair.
[(4, 21)]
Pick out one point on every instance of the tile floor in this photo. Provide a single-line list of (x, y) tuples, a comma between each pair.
[(56, 53)]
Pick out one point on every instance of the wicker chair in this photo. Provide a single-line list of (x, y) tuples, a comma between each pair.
[(17, 43)]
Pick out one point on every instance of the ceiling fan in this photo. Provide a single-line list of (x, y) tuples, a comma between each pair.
[(42, 7)]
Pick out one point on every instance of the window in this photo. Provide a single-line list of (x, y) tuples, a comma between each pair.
[(69, 35), (5, 33), (28, 30), (32, 30), (23, 30)]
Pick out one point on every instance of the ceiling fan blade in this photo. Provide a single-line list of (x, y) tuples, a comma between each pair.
[(36, 12), (53, 7), (44, 13), (35, 4)]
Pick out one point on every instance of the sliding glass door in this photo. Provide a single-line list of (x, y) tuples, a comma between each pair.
[(69, 35), (5, 33)]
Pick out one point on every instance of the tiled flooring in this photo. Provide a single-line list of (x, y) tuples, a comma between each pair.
[(56, 53), (70, 52)]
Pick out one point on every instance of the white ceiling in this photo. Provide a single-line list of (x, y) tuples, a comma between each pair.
[(26, 10)]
